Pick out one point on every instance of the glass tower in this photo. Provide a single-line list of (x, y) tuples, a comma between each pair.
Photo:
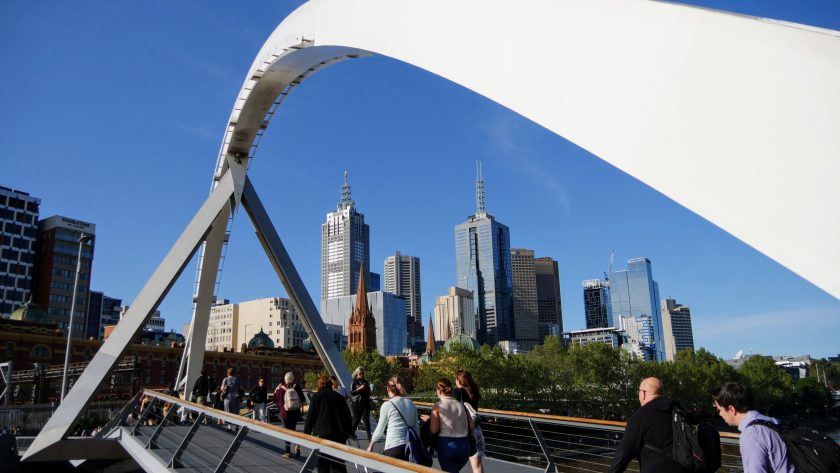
[(482, 262), (345, 247), (596, 304), (634, 293)]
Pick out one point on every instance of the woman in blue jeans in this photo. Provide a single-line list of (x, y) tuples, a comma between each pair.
[(453, 426)]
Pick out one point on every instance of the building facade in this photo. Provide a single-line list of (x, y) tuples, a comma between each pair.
[(676, 322), (402, 277), (607, 335), (276, 316), (155, 323), (58, 253), (597, 307), (633, 293), (639, 336), (223, 328), (454, 314), (18, 244), (525, 302), (102, 311), (549, 301), (388, 312), (345, 248), (482, 262), (361, 328)]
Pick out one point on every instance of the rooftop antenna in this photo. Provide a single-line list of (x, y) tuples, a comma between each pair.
[(479, 191), (346, 200)]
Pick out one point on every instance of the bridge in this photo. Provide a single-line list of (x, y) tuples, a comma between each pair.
[(673, 110), (170, 434)]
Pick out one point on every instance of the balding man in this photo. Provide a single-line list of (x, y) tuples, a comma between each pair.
[(650, 426)]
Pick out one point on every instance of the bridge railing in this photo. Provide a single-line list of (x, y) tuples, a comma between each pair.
[(166, 427), (565, 444)]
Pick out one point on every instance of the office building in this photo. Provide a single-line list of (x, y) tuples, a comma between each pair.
[(102, 311), (58, 253), (454, 314), (639, 336), (155, 323), (549, 302), (388, 312), (18, 242), (223, 327), (596, 304), (345, 248), (482, 262), (402, 277), (676, 323), (525, 305), (375, 282), (607, 335), (633, 293), (274, 316)]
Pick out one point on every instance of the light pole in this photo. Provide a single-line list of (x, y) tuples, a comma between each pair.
[(82, 239)]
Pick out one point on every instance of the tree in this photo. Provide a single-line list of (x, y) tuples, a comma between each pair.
[(377, 368), (771, 386), (811, 395)]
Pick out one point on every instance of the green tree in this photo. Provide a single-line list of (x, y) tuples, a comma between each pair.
[(811, 395), (771, 386), (377, 368)]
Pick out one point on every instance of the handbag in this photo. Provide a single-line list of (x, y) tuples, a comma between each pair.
[(471, 435), (414, 449)]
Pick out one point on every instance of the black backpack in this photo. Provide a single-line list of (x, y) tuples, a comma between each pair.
[(809, 450), (695, 444)]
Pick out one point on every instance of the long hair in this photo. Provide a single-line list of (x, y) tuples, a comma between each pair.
[(466, 380), (324, 382)]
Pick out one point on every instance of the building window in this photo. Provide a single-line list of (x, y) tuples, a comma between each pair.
[(40, 351)]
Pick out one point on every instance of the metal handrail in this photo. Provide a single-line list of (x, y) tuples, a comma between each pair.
[(343, 452)]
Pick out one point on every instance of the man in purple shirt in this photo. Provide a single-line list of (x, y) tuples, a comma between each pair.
[(762, 450)]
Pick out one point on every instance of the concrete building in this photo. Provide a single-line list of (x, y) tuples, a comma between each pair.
[(609, 335), (402, 277), (454, 314), (18, 244), (633, 293), (596, 304), (525, 305), (223, 328), (58, 252), (102, 311), (273, 315), (639, 336), (549, 301), (156, 323), (388, 311), (676, 325), (345, 247), (482, 262)]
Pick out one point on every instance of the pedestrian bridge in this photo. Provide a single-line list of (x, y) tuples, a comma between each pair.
[(171, 434)]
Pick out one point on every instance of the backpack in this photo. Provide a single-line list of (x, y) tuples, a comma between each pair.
[(695, 444), (291, 400), (414, 449), (809, 450)]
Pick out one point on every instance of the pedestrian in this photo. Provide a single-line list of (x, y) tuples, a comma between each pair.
[(451, 422), (396, 416), (329, 418), (337, 387), (762, 449), (288, 397), (259, 396), (360, 401), (468, 392), (398, 381), (202, 388), (651, 425), (231, 387)]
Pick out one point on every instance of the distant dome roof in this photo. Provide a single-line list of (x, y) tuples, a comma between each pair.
[(30, 312), (463, 339), (261, 340), (307, 345)]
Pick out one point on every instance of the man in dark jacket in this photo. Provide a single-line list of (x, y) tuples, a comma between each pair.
[(650, 425), (328, 418), (360, 401)]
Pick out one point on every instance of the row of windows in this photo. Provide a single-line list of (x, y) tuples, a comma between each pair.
[(19, 242), (14, 296), (21, 204), (20, 217), (10, 254), (80, 300), (66, 273), (72, 250), (11, 282), (67, 286), (20, 269), (11, 228)]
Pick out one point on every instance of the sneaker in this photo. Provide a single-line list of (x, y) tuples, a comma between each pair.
[(286, 455)]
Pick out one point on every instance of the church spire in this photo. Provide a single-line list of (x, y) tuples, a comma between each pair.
[(362, 327), (346, 201), (481, 210), (430, 341)]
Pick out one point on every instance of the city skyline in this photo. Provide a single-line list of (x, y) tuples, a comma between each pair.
[(108, 118)]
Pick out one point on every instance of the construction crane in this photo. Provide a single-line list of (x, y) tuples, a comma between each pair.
[(609, 269)]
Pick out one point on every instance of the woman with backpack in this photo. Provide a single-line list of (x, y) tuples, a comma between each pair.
[(396, 416), (468, 392), (288, 397)]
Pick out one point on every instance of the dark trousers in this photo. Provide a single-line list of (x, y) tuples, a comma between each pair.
[(328, 464), (361, 413), (397, 452), (290, 422)]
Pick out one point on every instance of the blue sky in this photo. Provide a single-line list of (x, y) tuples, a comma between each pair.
[(112, 112)]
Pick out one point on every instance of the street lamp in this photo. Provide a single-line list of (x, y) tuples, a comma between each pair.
[(83, 238)]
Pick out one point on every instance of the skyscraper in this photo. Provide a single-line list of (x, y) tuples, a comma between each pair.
[(549, 302), (525, 307), (596, 304), (482, 262), (58, 251), (18, 240), (455, 311), (633, 292), (345, 247), (402, 277), (676, 323), (102, 311)]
